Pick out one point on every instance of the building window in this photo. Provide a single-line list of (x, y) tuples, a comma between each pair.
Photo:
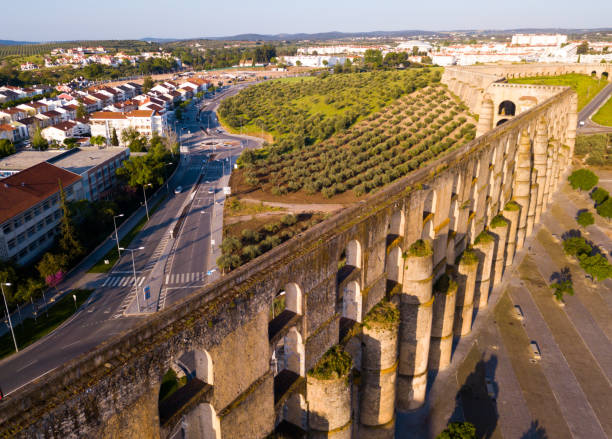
[(17, 222), (69, 191), (21, 238), (7, 228), (11, 244), (54, 200), (27, 217), (32, 246), (31, 231), (46, 205), (40, 225), (50, 233), (22, 253), (49, 219), (36, 211)]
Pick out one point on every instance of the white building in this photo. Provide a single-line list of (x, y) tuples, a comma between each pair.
[(538, 39), (145, 122), (30, 212), (408, 46), (313, 61)]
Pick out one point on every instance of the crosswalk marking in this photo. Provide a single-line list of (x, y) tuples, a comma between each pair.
[(122, 281), (185, 278)]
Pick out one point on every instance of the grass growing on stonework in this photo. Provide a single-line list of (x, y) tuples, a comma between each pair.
[(32, 330), (604, 115), (512, 206), (336, 363), (469, 257), (420, 248), (585, 86), (484, 238), (498, 221), (384, 312), (170, 384)]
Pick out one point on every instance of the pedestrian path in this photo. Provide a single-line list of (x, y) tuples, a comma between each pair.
[(122, 281), (183, 278)]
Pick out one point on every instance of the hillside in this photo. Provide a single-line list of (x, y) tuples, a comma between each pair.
[(381, 148)]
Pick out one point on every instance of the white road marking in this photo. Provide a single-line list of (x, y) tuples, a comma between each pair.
[(27, 365)]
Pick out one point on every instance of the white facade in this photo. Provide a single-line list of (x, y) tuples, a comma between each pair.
[(313, 61), (538, 39)]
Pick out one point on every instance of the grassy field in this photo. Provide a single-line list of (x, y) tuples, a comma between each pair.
[(604, 115), (31, 330), (586, 86), (112, 256)]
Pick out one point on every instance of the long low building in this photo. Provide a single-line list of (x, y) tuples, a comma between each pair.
[(30, 212), (96, 166)]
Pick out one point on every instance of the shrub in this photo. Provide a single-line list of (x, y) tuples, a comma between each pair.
[(585, 218), (596, 266), (458, 430), (498, 221), (289, 219), (420, 248), (599, 195), (562, 287), (605, 209), (335, 363), (384, 312), (445, 284), (484, 238), (576, 245), (583, 179), (469, 257)]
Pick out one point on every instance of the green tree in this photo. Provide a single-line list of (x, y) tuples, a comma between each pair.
[(231, 245), (68, 241), (147, 84), (6, 148), (228, 262), (81, 111), (599, 195), (38, 141), (458, 430), (114, 138), (596, 266), (576, 246), (583, 48), (51, 264), (583, 179), (605, 209), (97, 140), (70, 142), (585, 218), (562, 287), (373, 58)]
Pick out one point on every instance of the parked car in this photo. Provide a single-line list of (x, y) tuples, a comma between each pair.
[(211, 190), (535, 350), (490, 388), (518, 312), (178, 190)]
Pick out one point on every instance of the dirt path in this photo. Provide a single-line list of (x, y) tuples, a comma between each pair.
[(299, 208)]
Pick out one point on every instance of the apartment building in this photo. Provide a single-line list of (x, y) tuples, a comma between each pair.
[(30, 212), (145, 122)]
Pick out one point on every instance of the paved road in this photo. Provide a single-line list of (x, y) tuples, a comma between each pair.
[(585, 114), (103, 315)]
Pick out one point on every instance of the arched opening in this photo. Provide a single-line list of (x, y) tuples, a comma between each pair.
[(396, 224), (295, 412), (288, 362), (287, 304), (429, 209), (593, 73), (202, 422), (507, 108), (349, 261), (501, 121), (605, 75), (351, 303), (395, 265), (190, 376)]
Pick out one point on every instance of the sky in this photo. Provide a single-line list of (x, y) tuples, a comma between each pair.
[(56, 20)]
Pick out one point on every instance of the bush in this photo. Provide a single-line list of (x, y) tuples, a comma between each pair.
[(583, 180), (289, 219), (605, 209), (335, 363), (585, 218), (420, 248), (562, 287), (596, 266), (458, 430), (576, 245), (599, 195)]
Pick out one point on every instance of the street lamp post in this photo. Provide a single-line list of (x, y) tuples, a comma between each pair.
[(166, 172), (132, 250), (145, 198), (8, 314), (116, 234)]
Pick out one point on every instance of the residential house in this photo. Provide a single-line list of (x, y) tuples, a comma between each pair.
[(12, 114)]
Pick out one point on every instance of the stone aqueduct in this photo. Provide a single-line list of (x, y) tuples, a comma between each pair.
[(224, 339)]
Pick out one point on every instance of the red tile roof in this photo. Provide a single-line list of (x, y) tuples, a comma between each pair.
[(31, 186)]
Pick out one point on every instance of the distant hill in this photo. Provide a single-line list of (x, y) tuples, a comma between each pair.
[(159, 40), (323, 35), (15, 43)]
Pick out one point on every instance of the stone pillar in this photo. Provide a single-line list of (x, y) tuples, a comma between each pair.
[(485, 244), (415, 326), (555, 171), (445, 291), (522, 185), (540, 146), (499, 227), (532, 208), (329, 405), (466, 282), (485, 118), (572, 120), (512, 211), (548, 184), (379, 371)]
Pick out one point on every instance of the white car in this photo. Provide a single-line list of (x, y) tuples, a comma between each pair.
[(211, 190), (582, 123), (178, 190)]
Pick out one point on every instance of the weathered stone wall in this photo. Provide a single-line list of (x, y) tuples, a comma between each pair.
[(112, 391)]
